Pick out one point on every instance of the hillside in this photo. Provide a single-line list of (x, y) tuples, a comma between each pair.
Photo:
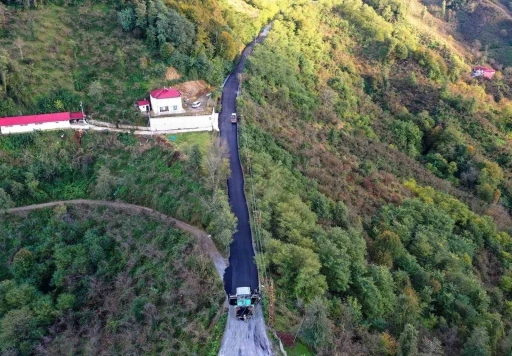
[(378, 171), (110, 54), (93, 281), (381, 174)]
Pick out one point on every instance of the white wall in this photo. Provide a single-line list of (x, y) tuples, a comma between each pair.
[(156, 104), (144, 108), (33, 127), (185, 123)]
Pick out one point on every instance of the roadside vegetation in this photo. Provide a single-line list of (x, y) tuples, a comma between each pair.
[(184, 183), (75, 280)]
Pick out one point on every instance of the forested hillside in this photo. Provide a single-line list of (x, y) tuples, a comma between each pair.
[(95, 281), (381, 175), (54, 54), (381, 171)]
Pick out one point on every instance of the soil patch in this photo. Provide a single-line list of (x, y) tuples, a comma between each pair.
[(287, 339), (172, 74), (193, 89)]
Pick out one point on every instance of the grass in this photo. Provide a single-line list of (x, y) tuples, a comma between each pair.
[(216, 336), (184, 141), (71, 47), (298, 350)]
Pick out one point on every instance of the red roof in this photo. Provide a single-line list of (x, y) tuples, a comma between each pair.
[(485, 69), (76, 115), (39, 119), (165, 93), (142, 102)]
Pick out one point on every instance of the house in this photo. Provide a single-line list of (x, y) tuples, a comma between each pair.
[(54, 121), (485, 72), (166, 101), (143, 106)]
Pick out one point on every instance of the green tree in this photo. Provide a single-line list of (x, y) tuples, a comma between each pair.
[(408, 342), (316, 328), (105, 184), (227, 48), (223, 222), (335, 264), (18, 328), (477, 343), (299, 269), (5, 200), (22, 264), (126, 19), (65, 301), (4, 63), (407, 136)]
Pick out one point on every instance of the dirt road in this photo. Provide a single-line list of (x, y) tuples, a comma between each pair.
[(202, 237)]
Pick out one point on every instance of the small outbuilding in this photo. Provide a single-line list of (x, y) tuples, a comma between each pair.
[(143, 106), (166, 101), (485, 72)]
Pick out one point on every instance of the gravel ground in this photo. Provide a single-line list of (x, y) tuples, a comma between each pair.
[(245, 338)]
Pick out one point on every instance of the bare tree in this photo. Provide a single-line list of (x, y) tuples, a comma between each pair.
[(18, 42)]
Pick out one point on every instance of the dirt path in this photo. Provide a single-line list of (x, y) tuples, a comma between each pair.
[(202, 237)]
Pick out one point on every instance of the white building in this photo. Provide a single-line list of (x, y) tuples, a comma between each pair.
[(185, 123), (166, 101), (143, 106), (54, 121)]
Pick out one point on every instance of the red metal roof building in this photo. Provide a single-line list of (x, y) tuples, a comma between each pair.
[(165, 93), (165, 101), (28, 123), (40, 118), (480, 71)]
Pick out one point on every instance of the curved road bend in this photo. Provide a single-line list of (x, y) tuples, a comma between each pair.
[(240, 338)]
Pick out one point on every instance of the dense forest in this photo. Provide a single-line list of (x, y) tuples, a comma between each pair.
[(381, 180), (378, 171), (77, 256), (95, 281)]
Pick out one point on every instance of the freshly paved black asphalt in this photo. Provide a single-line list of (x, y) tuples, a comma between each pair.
[(242, 271)]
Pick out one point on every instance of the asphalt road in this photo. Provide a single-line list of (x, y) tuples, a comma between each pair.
[(242, 271)]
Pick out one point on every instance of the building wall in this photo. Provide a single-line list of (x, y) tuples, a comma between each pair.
[(144, 108), (33, 127), (185, 123), (171, 103)]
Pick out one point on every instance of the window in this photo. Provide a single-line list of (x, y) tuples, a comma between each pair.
[(164, 108), (175, 107)]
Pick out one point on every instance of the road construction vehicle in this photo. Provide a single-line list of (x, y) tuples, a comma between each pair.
[(245, 301)]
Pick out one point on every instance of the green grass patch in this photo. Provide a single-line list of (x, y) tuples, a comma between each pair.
[(299, 349), (188, 139)]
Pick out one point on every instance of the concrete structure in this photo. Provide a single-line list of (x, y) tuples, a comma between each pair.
[(143, 106), (185, 123), (485, 72), (54, 121), (166, 101)]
